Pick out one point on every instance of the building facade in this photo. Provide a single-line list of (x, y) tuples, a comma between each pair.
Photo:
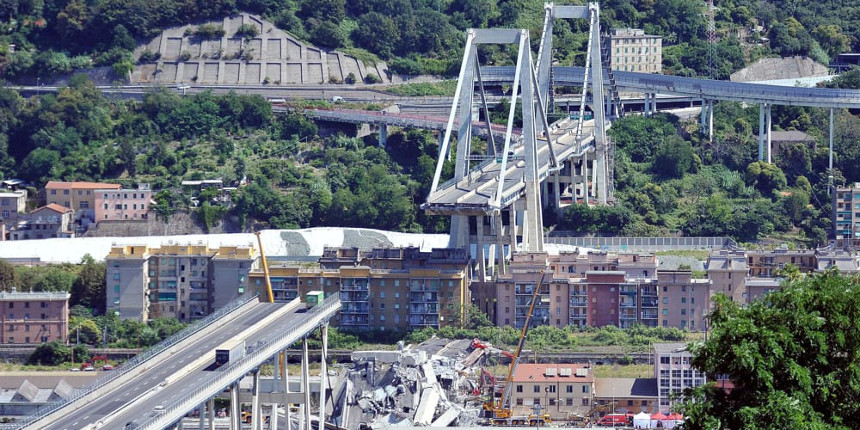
[(631, 50), (51, 221), (626, 395), (846, 216), (33, 318), (560, 390), (674, 373), (387, 288), (78, 196), (12, 204), (122, 205), (186, 282)]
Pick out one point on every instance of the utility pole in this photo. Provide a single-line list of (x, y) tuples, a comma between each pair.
[(712, 40)]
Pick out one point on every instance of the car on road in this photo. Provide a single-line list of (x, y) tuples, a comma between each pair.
[(88, 368), (108, 367)]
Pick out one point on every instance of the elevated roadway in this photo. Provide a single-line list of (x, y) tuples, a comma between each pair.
[(700, 88), (169, 380), (427, 122)]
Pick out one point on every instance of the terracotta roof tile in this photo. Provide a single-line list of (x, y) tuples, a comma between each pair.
[(538, 373)]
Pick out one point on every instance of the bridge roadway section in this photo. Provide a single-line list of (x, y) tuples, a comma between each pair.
[(176, 379), (474, 193), (427, 122), (700, 88)]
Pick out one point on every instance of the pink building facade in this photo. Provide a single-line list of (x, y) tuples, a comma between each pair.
[(33, 318), (123, 205)]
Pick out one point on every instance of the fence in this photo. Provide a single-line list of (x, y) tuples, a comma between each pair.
[(236, 370), (642, 243), (136, 361)]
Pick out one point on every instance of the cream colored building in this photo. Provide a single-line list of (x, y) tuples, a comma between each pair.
[(559, 389), (182, 281), (631, 50)]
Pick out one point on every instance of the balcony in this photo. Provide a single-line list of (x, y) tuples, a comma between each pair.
[(353, 320), (628, 303), (424, 308), (354, 308), (578, 303), (423, 321), (421, 285), (354, 285), (353, 296), (424, 297)]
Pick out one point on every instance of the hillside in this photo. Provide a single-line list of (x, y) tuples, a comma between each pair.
[(422, 37)]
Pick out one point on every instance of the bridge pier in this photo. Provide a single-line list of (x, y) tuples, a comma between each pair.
[(479, 249), (256, 411), (383, 135), (235, 410), (323, 374), (830, 157), (306, 386), (500, 247), (769, 127), (211, 403), (761, 131)]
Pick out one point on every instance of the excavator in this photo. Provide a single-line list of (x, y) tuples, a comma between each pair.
[(499, 412)]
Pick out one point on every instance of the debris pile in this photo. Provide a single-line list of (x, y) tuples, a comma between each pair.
[(426, 385)]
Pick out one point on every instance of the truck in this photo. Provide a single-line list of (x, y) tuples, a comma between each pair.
[(614, 420), (313, 298), (230, 353)]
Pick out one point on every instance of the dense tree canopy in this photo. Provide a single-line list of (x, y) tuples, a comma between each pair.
[(792, 358)]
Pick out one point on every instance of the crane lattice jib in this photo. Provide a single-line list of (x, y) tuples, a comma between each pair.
[(503, 404)]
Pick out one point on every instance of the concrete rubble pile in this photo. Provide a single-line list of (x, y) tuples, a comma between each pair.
[(422, 386)]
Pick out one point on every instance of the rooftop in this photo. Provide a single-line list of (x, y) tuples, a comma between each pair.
[(54, 207), (670, 347), (625, 387), (16, 296), (57, 185), (552, 372)]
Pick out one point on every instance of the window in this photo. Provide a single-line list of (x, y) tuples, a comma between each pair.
[(537, 400), (569, 388), (665, 300), (519, 388), (683, 300), (585, 401), (551, 388), (11, 305), (585, 389), (665, 312), (552, 401), (519, 400), (684, 311), (26, 304), (83, 204), (537, 388), (569, 401)]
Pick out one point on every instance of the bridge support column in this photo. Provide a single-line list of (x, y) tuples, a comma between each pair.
[(306, 385), (273, 418), (201, 415), (513, 227), (323, 373), (500, 245), (480, 254), (211, 403), (704, 115), (761, 131), (830, 157), (256, 411), (769, 144), (556, 192), (383, 135), (235, 409), (285, 375), (711, 120)]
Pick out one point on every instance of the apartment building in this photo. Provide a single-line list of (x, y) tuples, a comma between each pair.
[(78, 196), (121, 205), (559, 389), (684, 302), (674, 372), (727, 270), (631, 50), (388, 288), (33, 318), (846, 216), (767, 264), (12, 203), (49, 221), (181, 281)]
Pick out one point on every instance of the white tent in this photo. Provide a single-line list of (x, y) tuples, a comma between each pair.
[(642, 420)]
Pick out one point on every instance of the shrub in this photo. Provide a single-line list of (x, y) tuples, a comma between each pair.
[(209, 31), (372, 79), (185, 56), (148, 56), (247, 31), (350, 78)]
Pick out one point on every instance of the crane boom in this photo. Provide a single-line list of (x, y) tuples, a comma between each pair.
[(503, 406), (265, 269)]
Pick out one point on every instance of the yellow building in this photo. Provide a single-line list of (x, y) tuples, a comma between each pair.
[(388, 288), (182, 281)]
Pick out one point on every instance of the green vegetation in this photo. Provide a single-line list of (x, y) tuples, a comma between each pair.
[(624, 371), (421, 37), (791, 357), (421, 89)]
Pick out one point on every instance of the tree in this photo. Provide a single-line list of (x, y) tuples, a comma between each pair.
[(377, 33), (675, 157), (56, 279), (89, 288), (8, 276), (50, 354), (791, 357), (766, 177)]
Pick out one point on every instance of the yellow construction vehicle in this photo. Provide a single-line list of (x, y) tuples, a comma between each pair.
[(499, 413)]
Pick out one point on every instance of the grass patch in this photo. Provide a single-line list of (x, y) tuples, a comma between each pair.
[(695, 253), (420, 89), (624, 371), (362, 55)]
